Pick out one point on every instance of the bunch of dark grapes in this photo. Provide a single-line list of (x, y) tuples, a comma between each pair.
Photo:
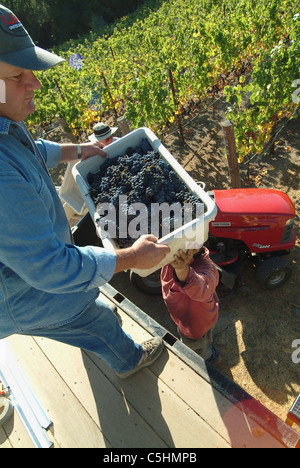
[(144, 177)]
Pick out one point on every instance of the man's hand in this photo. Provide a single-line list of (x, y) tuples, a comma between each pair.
[(91, 149), (143, 255), (147, 253)]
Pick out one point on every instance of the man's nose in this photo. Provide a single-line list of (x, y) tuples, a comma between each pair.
[(33, 82)]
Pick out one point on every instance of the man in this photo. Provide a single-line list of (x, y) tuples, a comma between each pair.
[(48, 286), (104, 134)]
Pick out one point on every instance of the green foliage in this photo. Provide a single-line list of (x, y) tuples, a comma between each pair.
[(258, 105), (36, 17), (128, 67), (52, 23)]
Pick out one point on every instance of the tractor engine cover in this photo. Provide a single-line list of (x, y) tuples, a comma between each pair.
[(261, 218)]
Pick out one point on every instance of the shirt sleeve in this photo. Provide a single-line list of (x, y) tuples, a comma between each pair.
[(30, 247), (105, 266), (51, 152), (199, 286)]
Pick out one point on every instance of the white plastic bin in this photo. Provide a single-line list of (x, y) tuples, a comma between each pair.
[(177, 239), (69, 191)]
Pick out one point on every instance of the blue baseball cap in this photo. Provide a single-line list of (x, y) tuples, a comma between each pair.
[(18, 49)]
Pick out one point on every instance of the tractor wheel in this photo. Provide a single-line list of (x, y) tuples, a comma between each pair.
[(150, 284), (273, 273)]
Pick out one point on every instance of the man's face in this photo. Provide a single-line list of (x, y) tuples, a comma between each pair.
[(20, 85)]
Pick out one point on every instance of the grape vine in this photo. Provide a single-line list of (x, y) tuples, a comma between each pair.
[(149, 68)]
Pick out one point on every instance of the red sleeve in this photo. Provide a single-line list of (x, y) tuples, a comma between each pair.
[(171, 290)]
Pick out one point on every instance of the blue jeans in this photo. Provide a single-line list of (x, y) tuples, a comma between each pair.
[(96, 329)]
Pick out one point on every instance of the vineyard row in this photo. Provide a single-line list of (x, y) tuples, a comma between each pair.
[(150, 69)]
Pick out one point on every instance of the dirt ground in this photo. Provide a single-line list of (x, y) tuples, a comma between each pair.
[(254, 335)]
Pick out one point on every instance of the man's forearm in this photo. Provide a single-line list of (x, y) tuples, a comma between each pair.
[(125, 260), (69, 151)]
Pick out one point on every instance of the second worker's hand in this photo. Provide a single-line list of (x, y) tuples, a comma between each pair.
[(183, 259), (181, 263)]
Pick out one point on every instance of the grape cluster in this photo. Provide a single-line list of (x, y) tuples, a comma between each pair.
[(144, 177)]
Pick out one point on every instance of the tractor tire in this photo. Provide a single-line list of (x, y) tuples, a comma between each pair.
[(150, 284), (273, 273)]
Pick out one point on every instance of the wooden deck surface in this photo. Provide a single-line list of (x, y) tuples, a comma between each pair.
[(168, 405)]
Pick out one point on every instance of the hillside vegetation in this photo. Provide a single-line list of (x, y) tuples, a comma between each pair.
[(149, 66)]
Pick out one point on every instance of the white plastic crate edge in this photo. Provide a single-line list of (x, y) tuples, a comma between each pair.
[(133, 139), (69, 191)]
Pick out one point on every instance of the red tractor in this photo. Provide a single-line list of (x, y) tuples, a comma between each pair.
[(250, 223), (257, 223)]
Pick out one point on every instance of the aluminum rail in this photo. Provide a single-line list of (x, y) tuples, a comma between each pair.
[(23, 399)]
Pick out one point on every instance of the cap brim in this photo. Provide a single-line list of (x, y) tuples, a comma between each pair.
[(32, 58)]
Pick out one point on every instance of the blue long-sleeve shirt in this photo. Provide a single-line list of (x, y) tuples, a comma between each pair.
[(44, 278)]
